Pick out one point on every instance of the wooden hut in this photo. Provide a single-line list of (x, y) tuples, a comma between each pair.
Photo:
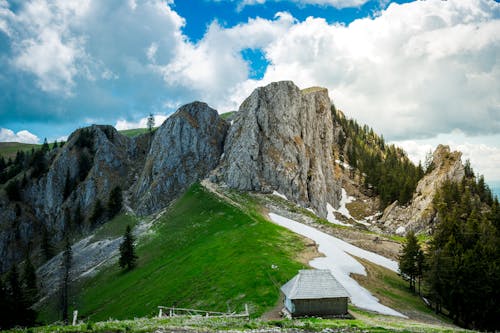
[(315, 292)]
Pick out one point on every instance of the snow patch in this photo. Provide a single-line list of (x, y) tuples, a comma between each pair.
[(330, 216), (401, 230), (280, 195), (345, 199), (344, 164), (339, 261)]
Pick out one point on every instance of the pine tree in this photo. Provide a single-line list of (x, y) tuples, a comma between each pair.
[(115, 201), (127, 250), (151, 122), (66, 267), (45, 146), (97, 212), (410, 258), (30, 282), (47, 249), (4, 307)]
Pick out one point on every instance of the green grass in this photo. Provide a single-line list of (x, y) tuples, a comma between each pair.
[(394, 292), (9, 149), (227, 115), (135, 132), (197, 324), (203, 253), (115, 227)]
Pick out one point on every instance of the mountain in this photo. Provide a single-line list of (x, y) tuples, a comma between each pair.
[(198, 190)]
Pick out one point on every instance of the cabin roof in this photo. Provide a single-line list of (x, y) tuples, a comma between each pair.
[(313, 284)]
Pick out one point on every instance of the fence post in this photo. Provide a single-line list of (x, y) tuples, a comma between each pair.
[(160, 313), (246, 310), (75, 317)]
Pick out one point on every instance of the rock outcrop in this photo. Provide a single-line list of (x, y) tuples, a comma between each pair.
[(420, 212), (282, 140), (184, 149), (93, 161)]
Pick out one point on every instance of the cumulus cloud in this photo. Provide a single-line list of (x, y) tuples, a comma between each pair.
[(483, 151), (415, 70), (123, 124), (334, 3), (214, 66), (24, 136)]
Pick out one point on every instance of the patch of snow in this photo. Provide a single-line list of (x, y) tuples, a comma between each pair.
[(343, 201), (344, 164), (401, 230), (280, 195), (364, 223), (339, 261), (311, 210), (331, 216)]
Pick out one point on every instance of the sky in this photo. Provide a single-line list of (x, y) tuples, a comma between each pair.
[(419, 72)]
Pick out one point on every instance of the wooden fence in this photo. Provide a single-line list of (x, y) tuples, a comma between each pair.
[(165, 311)]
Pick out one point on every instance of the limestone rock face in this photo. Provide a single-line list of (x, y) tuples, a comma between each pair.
[(108, 157), (184, 149), (420, 213), (281, 140)]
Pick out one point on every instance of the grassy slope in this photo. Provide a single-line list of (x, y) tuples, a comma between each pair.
[(204, 253), (9, 149), (394, 292), (226, 115)]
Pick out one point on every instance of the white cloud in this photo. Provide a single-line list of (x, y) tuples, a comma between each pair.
[(123, 124), (7, 135), (334, 3), (415, 70), (483, 151), (214, 66)]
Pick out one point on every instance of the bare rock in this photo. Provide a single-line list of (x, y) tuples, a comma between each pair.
[(281, 140), (420, 212), (184, 149)]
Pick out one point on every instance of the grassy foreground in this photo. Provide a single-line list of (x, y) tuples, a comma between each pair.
[(201, 324), (202, 253)]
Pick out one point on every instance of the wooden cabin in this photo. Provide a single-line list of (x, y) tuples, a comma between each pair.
[(315, 292)]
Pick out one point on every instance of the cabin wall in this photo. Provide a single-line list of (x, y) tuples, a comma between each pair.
[(318, 307)]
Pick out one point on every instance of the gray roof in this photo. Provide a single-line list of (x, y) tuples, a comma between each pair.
[(313, 284)]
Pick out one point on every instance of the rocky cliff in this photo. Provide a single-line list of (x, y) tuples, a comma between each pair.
[(419, 214), (150, 169), (282, 140), (93, 161), (184, 149)]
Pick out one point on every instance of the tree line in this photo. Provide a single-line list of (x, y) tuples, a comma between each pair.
[(385, 169), (461, 266)]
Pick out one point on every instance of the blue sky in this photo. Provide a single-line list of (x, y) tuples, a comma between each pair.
[(420, 72)]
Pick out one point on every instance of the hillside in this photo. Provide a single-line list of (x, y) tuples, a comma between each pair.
[(220, 206), (205, 239), (201, 253)]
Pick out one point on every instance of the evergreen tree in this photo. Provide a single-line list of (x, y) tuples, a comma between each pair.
[(115, 201), (68, 185), (30, 281), (45, 146), (127, 250), (78, 217), (47, 249), (4, 307), (65, 280), (54, 146), (97, 212), (151, 122), (410, 258)]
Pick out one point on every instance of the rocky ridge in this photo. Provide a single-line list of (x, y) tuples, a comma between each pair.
[(281, 140), (184, 149), (420, 213)]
